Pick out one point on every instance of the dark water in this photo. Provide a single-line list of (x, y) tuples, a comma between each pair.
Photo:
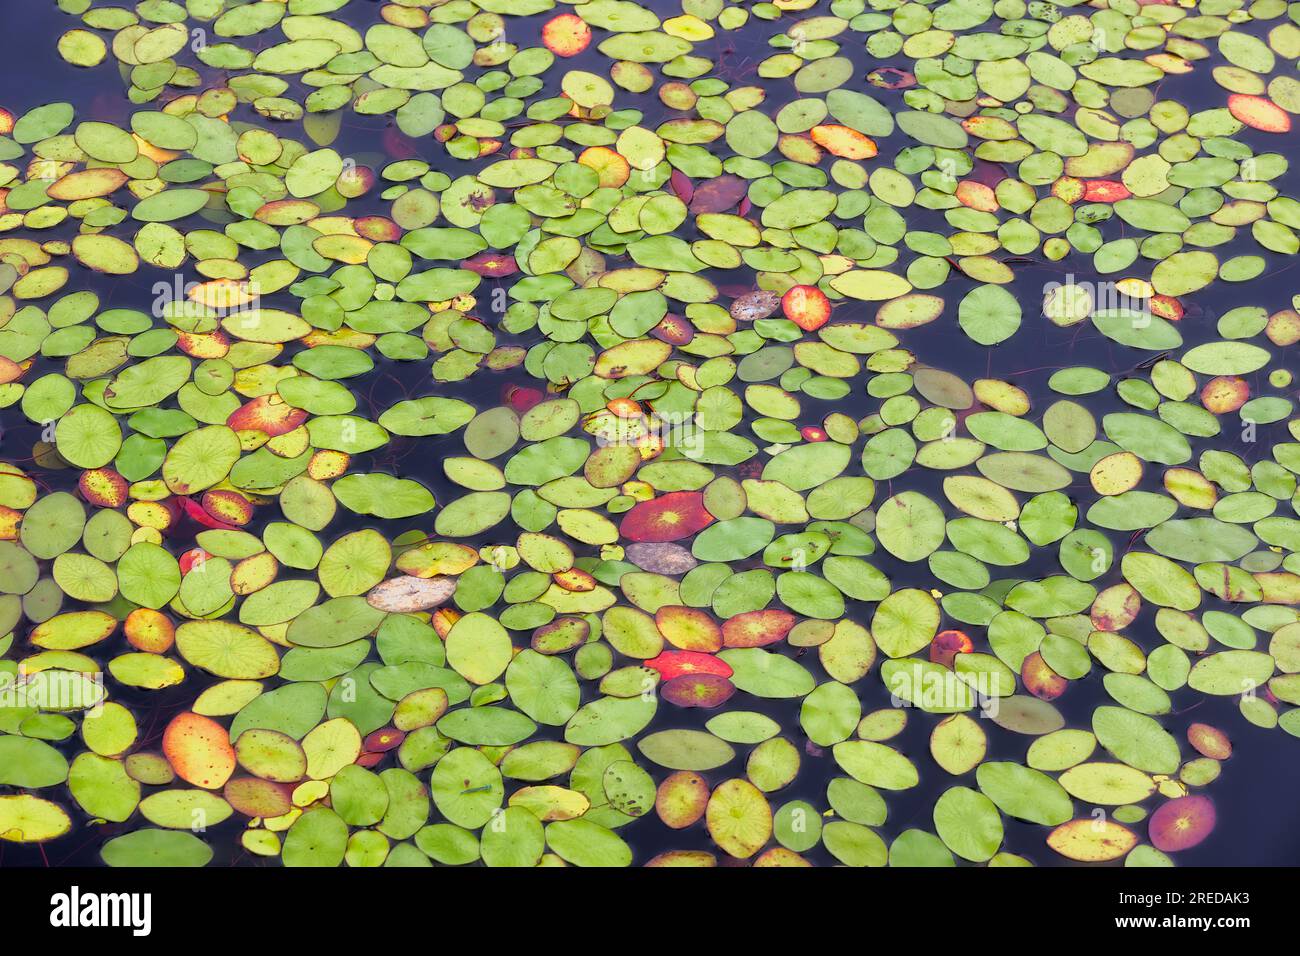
[(1259, 819)]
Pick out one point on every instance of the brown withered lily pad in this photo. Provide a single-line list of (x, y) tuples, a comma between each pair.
[(405, 594)]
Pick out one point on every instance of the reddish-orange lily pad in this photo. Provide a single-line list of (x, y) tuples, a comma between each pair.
[(976, 196), (1040, 680), (807, 307), (150, 631), (843, 142), (199, 750), (1105, 190), (566, 35), (267, 414), (1166, 307), (377, 228), (670, 517), (757, 628), (611, 169), (1225, 394), (1260, 113)]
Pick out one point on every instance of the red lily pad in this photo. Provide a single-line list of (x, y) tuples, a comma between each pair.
[(681, 186), (356, 181), (494, 265), (698, 690), (948, 644), (718, 194), (1182, 823), (194, 511), (1105, 190), (673, 664), (670, 517), (673, 329), (10, 371), (383, 740), (192, 557), (977, 195), (522, 398)]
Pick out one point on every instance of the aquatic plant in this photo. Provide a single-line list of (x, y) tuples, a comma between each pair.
[(444, 432)]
